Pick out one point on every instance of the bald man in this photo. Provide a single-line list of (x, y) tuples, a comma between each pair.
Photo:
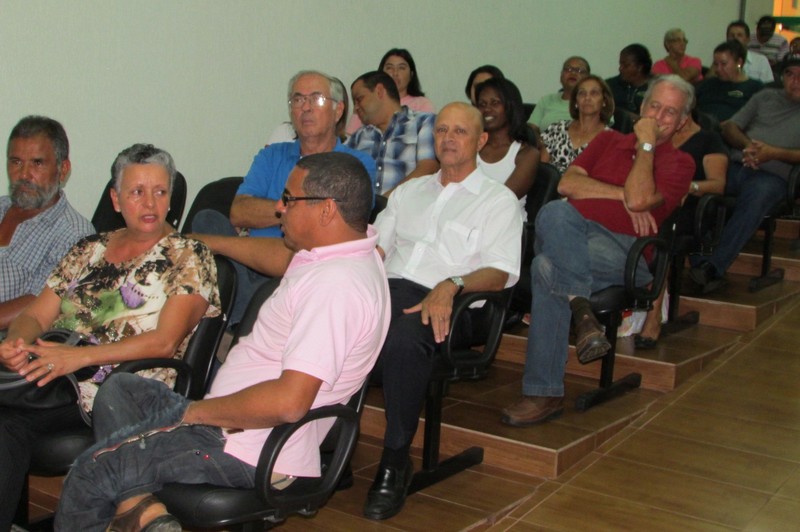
[(450, 232)]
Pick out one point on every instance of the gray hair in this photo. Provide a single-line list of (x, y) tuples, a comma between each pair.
[(335, 89), (141, 154), (676, 82), (33, 125), (672, 33), (343, 177)]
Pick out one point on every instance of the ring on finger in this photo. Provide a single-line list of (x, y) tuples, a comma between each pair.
[(50, 367)]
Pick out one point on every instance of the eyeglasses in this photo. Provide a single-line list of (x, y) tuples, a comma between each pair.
[(316, 99), (574, 70), (286, 198)]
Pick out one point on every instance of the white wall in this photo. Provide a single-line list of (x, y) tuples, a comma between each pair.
[(206, 80)]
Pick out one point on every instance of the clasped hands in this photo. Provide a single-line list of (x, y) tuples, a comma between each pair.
[(51, 359), (755, 153)]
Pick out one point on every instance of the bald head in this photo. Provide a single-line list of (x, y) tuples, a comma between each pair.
[(458, 136), (471, 112)]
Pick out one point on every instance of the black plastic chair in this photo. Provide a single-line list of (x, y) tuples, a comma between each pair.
[(609, 304), (208, 506), (53, 454), (105, 218), (544, 190), (217, 195), (718, 208), (455, 364)]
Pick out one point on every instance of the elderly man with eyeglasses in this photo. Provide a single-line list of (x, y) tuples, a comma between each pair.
[(316, 103)]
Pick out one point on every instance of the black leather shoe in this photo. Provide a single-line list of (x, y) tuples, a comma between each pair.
[(706, 277), (388, 492)]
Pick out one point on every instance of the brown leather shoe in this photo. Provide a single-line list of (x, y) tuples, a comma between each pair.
[(533, 409), (590, 339)]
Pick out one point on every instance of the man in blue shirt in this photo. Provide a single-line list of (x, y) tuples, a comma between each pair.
[(315, 105), (399, 139)]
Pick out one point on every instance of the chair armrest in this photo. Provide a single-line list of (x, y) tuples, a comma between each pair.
[(496, 304), (183, 380), (658, 268), (306, 494), (793, 189)]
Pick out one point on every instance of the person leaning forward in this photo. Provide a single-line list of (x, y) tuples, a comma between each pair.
[(313, 344), (316, 102)]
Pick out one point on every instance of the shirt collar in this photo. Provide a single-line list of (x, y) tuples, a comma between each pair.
[(472, 183), (358, 247)]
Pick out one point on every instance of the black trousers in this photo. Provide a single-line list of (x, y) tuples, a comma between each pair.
[(406, 361), (19, 428)]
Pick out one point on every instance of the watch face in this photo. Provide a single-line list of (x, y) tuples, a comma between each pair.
[(647, 146)]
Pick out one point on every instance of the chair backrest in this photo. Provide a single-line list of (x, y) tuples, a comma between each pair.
[(202, 348), (623, 120), (380, 204), (105, 218), (261, 294), (544, 189), (217, 195)]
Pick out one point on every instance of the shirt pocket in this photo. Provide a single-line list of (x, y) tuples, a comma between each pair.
[(458, 242)]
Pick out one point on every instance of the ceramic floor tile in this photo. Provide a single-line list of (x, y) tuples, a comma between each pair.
[(730, 432), (602, 512), (791, 489), (775, 516), (672, 491), (705, 460), (491, 495)]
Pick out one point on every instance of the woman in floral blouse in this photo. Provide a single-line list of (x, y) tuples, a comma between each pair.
[(137, 292)]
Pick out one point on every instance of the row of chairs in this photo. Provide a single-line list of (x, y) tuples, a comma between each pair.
[(209, 506)]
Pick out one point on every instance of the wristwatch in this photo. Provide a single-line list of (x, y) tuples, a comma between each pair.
[(695, 187), (458, 281), (646, 146)]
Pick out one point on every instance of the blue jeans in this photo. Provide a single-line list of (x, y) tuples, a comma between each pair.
[(147, 448), (573, 257), (757, 193), (211, 222)]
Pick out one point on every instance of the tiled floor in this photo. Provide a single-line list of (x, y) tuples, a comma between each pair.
[(721, 452)]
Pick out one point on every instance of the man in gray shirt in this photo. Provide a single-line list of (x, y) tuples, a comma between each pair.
[(765, 135)]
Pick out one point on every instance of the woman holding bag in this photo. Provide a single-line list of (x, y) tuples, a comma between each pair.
[(137, 292)]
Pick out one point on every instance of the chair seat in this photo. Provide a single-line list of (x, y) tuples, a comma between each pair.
[(203, 505), (609, 299), (53, 454)]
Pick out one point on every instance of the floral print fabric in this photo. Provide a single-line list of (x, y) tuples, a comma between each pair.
[(109, 302)]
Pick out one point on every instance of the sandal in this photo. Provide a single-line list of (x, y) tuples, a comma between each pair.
[(129, 521), (644, 342)]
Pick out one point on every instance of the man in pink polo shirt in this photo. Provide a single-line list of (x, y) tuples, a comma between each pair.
[(313, 344)]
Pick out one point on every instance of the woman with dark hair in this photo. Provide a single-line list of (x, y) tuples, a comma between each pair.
[(479, 75), (728, 91), (630, 85), (591, 107), (508, 156), (711, 167), (399, 64)]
